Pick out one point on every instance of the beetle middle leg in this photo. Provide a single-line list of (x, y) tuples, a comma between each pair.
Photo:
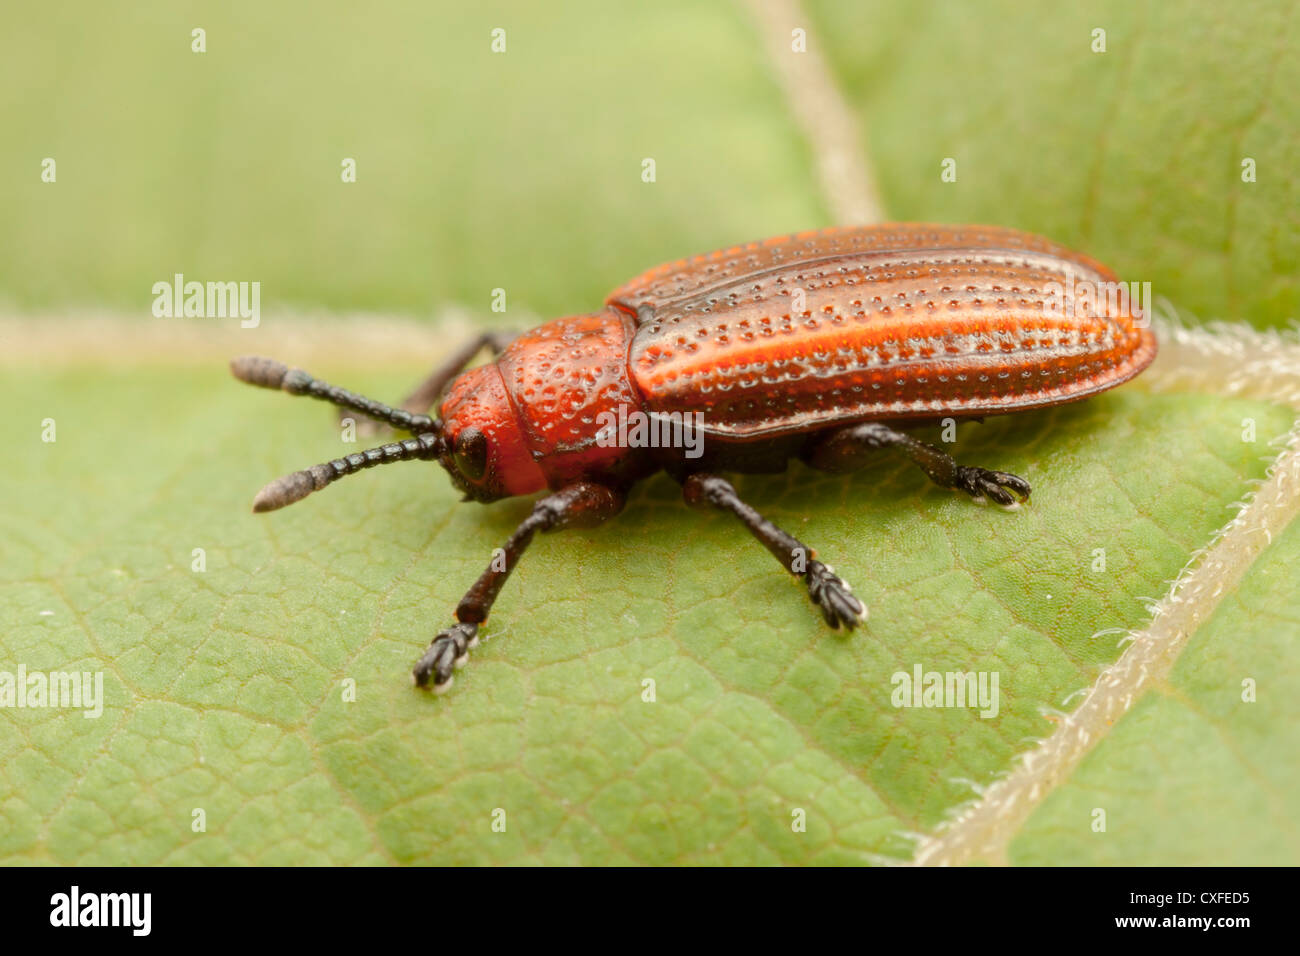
[(835, 598), (422, 397), (580, 505), (850, 447)]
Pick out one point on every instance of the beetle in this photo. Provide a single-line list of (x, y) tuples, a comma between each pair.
[(820, 346)]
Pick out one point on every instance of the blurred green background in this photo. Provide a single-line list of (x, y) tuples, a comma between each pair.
[(522, 170), (475, 170)]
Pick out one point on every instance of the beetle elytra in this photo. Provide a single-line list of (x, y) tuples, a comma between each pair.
[(815, 346)]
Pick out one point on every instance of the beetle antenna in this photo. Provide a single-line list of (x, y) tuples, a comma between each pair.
[(299, 484), (268, 373)]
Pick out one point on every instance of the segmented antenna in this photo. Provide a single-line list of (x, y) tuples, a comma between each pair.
[(299, 484), (268, 373)]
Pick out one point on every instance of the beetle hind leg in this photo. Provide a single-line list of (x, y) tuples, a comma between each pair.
[(849, 448), (828, 591)]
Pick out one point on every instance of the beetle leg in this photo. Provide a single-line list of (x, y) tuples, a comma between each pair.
[(428, 391), (828, 592), (849, 448), (579, 505)]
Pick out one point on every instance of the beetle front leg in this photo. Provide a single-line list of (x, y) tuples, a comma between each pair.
[(835, 598), (580, 505), (429, 390), (849, 448), (431, 387)]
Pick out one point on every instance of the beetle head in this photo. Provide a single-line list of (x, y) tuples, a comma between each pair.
[(484, 449)]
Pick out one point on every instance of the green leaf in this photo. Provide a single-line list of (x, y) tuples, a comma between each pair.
[(225, 687), (1219, 736)]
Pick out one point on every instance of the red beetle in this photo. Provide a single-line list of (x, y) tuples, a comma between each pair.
[(812, 345)]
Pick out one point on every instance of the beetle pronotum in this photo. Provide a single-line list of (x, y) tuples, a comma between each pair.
[(813, 346)]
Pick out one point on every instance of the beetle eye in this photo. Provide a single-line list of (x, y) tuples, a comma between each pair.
[(471, 453)]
